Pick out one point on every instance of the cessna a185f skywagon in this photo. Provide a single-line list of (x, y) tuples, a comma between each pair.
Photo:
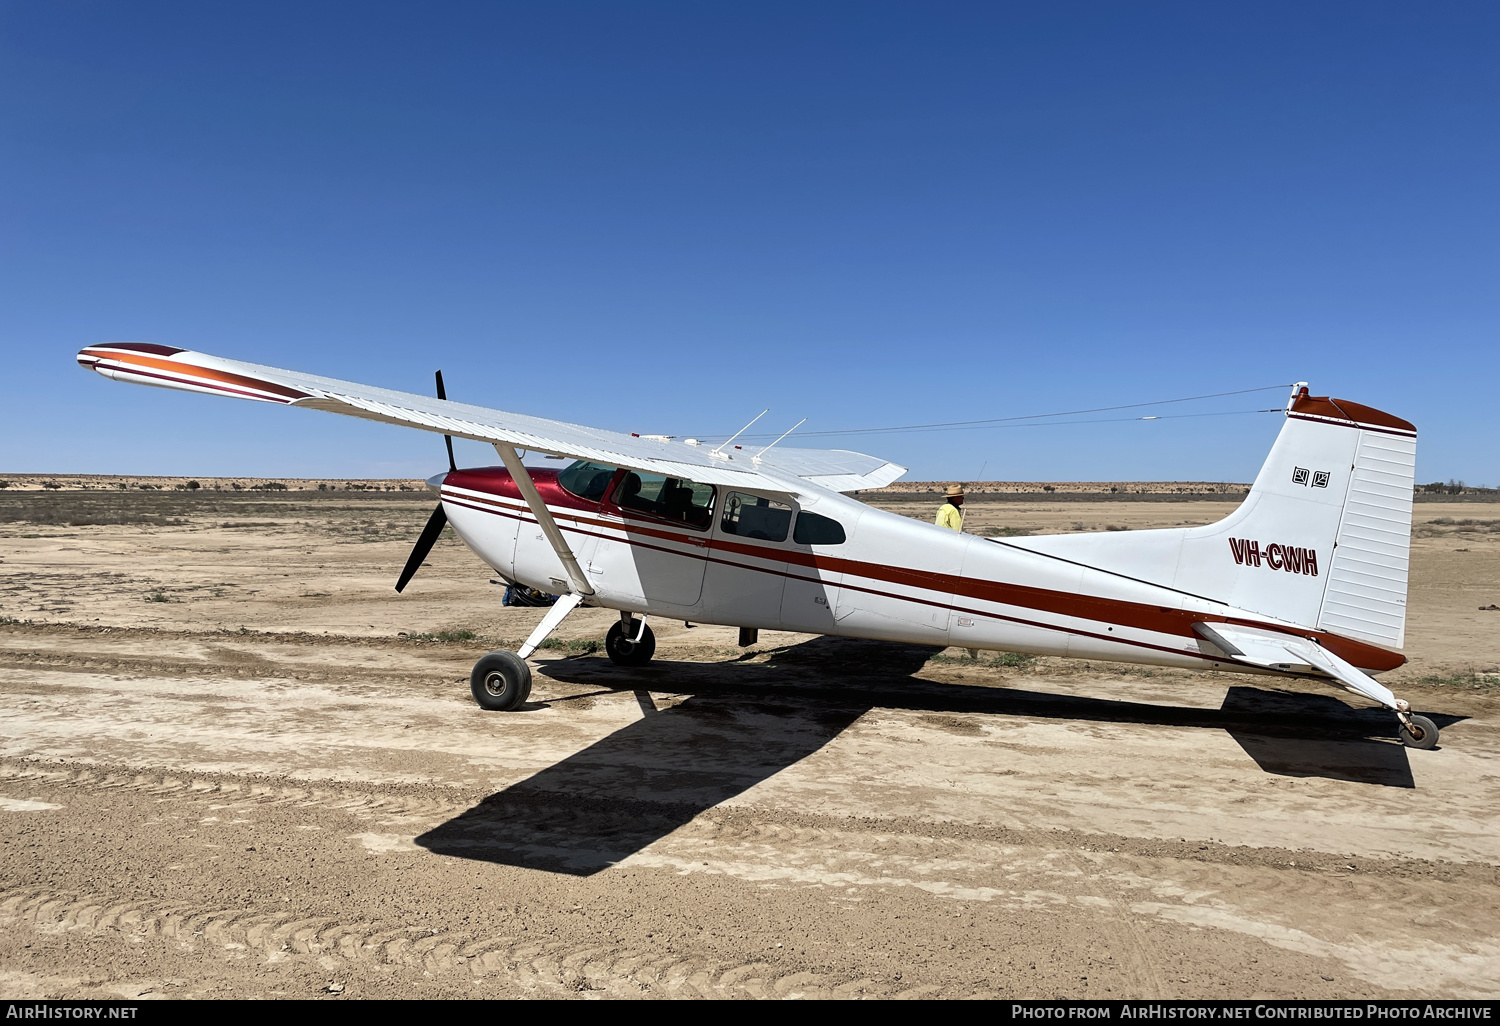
[(1307, 578)]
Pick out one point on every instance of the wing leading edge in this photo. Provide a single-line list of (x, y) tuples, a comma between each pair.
[(167, 367)]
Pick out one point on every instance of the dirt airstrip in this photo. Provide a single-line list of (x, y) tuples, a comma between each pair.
[(233, 762)]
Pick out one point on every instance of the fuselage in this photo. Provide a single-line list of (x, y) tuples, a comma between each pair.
[(835, 566)]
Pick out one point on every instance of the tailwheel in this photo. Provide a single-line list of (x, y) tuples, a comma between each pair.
[(630, 642), (500, 681), (1418, 732)]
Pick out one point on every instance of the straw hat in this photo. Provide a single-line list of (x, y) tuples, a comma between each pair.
[(955, 491)]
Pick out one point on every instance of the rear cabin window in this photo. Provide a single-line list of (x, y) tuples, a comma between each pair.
[(751, 516), (667, 498), (815, 530), (586, 480)]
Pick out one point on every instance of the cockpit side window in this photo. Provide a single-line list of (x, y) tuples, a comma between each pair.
[(667, 498), (813, 529), (586, 480), (753, 516)]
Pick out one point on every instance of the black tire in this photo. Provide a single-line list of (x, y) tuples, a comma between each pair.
[(626, 652), (1422, 733), (501, 681)]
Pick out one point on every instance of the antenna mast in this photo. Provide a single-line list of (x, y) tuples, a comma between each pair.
[(719, 453), (794, 427)]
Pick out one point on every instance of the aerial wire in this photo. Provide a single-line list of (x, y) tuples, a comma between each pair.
[(1017, 420)]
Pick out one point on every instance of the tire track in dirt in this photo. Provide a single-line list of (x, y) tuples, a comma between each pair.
[(748, 843), (546, 968), (415, 804)]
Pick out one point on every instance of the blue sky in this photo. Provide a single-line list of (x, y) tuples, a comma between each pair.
[(666, 217)]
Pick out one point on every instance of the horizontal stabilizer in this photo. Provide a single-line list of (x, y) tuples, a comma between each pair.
[(1288, 653)]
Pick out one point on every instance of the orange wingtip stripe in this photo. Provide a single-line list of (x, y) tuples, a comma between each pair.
[(191, 371)]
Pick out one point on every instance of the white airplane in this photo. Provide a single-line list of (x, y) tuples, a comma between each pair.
[(1306, 579)]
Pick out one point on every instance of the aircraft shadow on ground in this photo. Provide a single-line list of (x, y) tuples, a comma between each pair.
[(1307, 735), (744, 722)]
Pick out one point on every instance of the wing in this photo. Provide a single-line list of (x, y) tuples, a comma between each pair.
[(164, 366)]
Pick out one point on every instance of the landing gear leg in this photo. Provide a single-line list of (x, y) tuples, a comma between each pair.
[(630, 642)]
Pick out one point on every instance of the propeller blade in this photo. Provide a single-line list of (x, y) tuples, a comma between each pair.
[(443, 395), (425, 542)]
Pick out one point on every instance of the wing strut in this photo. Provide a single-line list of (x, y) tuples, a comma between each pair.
[(522, 478)]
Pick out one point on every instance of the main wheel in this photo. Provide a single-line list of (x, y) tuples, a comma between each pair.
[(1422, 733), (625, 650), (501, 681)]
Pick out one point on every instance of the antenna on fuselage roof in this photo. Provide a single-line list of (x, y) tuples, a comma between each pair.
[(719, 453), (794, 427)]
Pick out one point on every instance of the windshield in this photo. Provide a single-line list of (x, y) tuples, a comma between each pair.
[(586, 480)]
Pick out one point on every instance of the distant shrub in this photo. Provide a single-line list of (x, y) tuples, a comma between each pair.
[(1468, 680), (580, 646), (462, 634)]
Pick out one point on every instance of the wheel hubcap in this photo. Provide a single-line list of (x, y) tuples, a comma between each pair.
[(494, 683)]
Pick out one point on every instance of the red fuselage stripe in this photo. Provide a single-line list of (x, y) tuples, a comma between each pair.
[(1154, 619)]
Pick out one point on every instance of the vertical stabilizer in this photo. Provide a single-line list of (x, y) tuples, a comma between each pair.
[(1322, 540)]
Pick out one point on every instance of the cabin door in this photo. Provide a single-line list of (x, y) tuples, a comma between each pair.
[(747, 566), (654, 549)]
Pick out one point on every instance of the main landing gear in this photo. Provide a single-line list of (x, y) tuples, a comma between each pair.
[(501, 681), (630, 643)]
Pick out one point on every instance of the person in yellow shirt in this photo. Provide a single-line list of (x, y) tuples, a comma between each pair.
[(951, 514)]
